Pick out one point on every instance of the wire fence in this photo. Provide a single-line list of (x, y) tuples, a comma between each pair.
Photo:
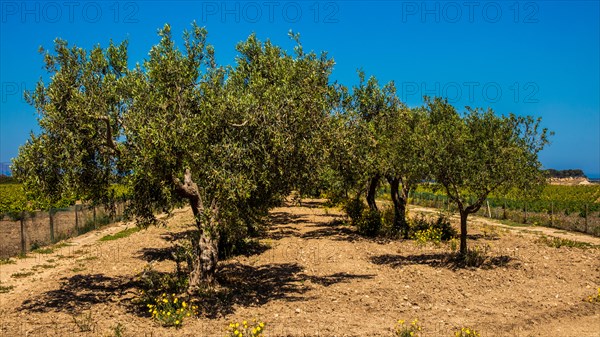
[(584, 218), (27, 231)]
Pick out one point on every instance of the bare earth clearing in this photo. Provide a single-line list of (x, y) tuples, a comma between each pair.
[(315, 277)]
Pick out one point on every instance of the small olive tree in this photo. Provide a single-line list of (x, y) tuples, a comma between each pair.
[(479, 153)]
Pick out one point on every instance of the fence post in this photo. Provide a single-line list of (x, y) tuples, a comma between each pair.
[(585, 217), (525, 213), (488, 207), (76, 220), (23, 250), (94, 212), (552, 213), (51, 215), (504, 210)]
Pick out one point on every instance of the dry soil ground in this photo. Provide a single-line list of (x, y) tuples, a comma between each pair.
[(313, 276)]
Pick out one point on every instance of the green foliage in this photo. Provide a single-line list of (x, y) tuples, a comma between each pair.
[(475, 256), (119, 235), (4, 179), (13, 199), (239, 136), (424, 230), (85, 322), (22, 274), (407, 330), (5, 289), (369, 223), (479, 153), (557, 198), (155, 283), (354, 208), (467, 332), (40, 250), (118, 330), (158, 296), (573, 173), (245, 328), (387, 223), (560, 242), (170, 310)]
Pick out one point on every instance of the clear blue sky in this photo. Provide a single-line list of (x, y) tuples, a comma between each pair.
[(537, 58)]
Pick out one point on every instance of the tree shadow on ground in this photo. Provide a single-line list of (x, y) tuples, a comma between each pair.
[(158, 254), (444, 260), (490, 237), (306, 203), (176, 236), (239, 285), (244, 285), (335, 233), (339, 230), (326, 281), (80, 292), (285, 218)]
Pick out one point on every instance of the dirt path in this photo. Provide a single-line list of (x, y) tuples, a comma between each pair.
[(313, 276)]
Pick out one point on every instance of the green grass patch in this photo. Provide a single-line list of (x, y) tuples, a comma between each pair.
[(46, 250), (22, 275), (560, 242), (43, 266), (62, 245), (89, 258), (7, 261), (5, 289), (513, 223), (122, 234), (78, 269)]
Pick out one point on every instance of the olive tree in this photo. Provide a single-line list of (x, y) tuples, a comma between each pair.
[(229, 141), (480, 152), (402, 138), (369, 102)]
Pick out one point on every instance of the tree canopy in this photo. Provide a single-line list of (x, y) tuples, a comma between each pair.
[(233, 141)]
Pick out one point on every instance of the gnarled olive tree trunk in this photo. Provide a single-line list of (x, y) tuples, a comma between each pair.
[(372, 192), (399, 200), (205, 244)]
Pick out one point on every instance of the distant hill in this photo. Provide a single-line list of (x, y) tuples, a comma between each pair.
[(4, 179), (574, 173), (567, 177)]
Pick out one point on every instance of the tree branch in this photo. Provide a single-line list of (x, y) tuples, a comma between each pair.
[(189, 189), (109, 139), (239, 125)]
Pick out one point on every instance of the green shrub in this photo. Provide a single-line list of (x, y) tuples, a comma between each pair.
[(424, 230), (560, 242), (475, 257), (250, 329), (387, 222), (430, 234), (170, 310), (122, 234), (407, 330), (354, 208), (369, 223)]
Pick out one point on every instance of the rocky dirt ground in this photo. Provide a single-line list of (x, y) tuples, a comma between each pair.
[(312, 275)]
